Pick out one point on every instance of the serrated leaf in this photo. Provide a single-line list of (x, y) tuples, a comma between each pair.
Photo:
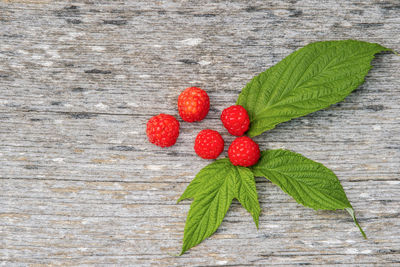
[(213, 190), (312, 78), (308, 182), (202, 179), (246, 192)]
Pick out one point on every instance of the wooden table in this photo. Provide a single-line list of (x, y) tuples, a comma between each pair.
[(81, 185)]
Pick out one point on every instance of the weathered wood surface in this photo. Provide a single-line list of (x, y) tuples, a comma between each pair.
[(80, 184)]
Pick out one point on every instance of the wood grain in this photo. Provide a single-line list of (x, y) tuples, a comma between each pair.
[(81, 185)]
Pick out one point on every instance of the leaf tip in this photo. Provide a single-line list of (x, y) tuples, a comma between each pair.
[(256, 220), (183, 197), (184, 249)]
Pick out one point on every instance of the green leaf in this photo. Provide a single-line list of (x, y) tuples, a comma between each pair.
[(213, 190), (308, 182), (312, 78), (246, 192)]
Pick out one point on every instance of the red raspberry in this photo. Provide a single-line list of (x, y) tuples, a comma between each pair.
[(193, 104), (243, 152), (163, 130), (208, 144), (235, 119)]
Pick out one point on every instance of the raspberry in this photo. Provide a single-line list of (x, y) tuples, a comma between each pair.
[(235, 119), (193, 104), (163, 130), (243, 152), (208, 144)]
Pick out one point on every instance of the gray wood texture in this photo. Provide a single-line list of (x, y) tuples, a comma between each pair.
[(81, 185)]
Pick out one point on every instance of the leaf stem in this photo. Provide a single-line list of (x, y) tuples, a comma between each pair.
[(351, 212)]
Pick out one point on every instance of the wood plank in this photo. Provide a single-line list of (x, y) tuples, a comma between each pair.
[(81, 185)]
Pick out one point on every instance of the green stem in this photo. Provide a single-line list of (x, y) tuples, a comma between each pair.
[(351, 212)]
